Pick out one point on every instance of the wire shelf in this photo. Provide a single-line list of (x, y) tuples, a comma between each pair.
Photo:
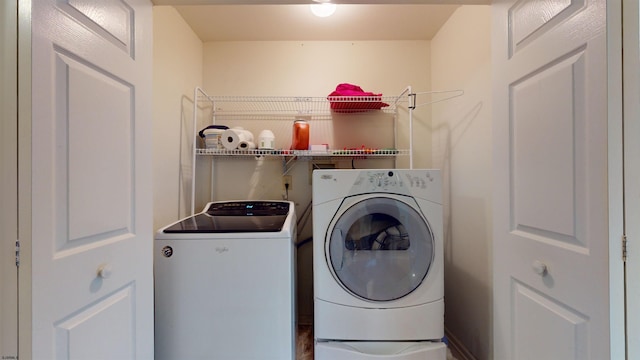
[(304, 153), (308, 108), (300, 105)]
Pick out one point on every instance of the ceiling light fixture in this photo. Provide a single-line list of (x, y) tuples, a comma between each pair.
[(323, 9)]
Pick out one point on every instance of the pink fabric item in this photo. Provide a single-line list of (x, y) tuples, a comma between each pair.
[(349, 98)]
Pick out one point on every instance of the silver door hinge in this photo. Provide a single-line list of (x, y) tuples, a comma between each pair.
[(624, 248), (18, 253)]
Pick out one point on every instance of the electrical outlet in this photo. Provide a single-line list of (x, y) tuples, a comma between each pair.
[(286, 179)]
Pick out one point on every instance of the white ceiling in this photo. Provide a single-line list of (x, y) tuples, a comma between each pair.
[(355, 20), (351, 22)]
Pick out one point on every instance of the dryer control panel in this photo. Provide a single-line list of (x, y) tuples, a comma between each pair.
[(395, 181), (340, 183), (384, 180)]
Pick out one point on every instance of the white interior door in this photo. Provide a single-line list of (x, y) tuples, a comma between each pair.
[(551, 239), (91, 208)]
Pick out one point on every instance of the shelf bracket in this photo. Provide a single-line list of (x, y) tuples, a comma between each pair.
[(285, 164)]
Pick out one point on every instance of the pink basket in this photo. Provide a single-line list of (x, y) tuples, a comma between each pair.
[(351, 98)]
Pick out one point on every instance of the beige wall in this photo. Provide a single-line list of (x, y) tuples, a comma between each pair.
[(177, 70), (461, 59)]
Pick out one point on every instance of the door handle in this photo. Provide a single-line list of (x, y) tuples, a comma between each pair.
[(539, 267), (338, 240), (104, 271)]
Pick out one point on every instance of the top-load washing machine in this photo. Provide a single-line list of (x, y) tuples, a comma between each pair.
[(224, 283), (378, 264)]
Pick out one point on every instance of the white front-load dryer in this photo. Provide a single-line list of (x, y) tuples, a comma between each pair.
[(378, 264)]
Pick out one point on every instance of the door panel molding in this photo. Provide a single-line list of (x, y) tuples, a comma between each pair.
[(529, 20), (73, 334), (534, 312), (113, 20), (546, 108)]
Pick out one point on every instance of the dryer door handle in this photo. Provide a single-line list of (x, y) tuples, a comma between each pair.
[(336, 243)]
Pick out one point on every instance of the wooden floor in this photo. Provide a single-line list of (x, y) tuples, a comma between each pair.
[(304, 343)]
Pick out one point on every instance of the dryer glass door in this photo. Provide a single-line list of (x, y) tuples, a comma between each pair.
[(381, 248)]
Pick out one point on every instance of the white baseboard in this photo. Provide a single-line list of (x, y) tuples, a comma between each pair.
[(457, 348)]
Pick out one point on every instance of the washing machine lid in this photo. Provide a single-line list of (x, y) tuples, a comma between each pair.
[(235, 217), (380, 248)]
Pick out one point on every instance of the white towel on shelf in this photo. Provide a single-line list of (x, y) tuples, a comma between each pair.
[(233, 138)]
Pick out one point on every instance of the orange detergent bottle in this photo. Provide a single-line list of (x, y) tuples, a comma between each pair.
[(300, 139)]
